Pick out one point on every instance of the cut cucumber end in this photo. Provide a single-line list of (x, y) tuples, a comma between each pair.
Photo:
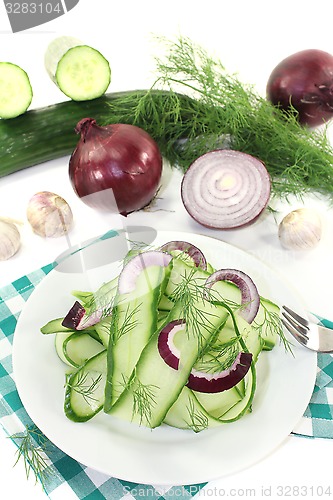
[(83, 73), (15, 90)]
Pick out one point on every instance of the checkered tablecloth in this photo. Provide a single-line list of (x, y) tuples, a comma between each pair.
[(67, 478)]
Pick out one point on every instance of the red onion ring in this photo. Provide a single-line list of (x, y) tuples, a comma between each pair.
[(191, 250), (250, 295), (222, 381), (225, 189), (168, 351), (130, 272)]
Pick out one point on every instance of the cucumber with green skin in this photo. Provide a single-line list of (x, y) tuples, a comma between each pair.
[(48, 133)]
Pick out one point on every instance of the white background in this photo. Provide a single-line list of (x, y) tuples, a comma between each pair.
[(250, 38)]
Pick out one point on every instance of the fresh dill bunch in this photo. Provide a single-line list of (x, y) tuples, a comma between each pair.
[(195, 106), (297, 158)]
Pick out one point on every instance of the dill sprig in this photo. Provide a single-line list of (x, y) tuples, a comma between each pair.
[(84, 387), (127, 324), (219, 356), (189, 294), (272, 324), (195, 105), (193, 296), (32, 447), (143, 400), (198, 421)]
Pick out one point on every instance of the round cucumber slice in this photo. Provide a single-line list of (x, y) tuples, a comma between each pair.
[(15, 90), (83, 73)]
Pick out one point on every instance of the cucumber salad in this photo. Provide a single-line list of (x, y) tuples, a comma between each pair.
[(170, 340)]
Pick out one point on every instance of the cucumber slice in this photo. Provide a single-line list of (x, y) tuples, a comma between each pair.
[(15, 90), (80, 71), (187, 413), (219, 403), (135, 318), (180, 271), (191, 409), (75, 348), (55, 326), (243, 406), (103, 330), (59, 346), (84, 394)]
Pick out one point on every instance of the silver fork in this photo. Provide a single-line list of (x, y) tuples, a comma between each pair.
[(311, 335)]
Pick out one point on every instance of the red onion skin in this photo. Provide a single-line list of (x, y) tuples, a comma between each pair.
[(118, 157), (74, 316), (223, 381), (191, 250), (169, 358), (249, 292), (130, 272), (304, 80)]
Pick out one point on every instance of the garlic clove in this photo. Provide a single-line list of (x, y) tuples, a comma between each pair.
[(49, 215), (10, 240), (301, 229)]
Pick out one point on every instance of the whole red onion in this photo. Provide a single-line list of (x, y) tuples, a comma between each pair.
[(117, 167), (305, 81)]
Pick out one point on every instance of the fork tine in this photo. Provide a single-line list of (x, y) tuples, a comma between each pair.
[(302, 321), (295, 333), (301, 330)]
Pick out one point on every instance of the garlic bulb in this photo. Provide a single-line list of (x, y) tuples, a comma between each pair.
[(301, 229), (49, 214), (10, 240)]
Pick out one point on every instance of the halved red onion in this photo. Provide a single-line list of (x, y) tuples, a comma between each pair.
[(166, 347), (191, 250), (249, 292), (225, 189), (222, 381), (130, 272)]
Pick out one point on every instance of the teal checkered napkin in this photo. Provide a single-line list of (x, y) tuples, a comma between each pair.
[(318, 417), (64, 477)]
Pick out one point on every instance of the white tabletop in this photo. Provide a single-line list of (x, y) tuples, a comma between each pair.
[(249, 39)]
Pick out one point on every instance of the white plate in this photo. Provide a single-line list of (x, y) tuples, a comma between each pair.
[(165, 455)]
